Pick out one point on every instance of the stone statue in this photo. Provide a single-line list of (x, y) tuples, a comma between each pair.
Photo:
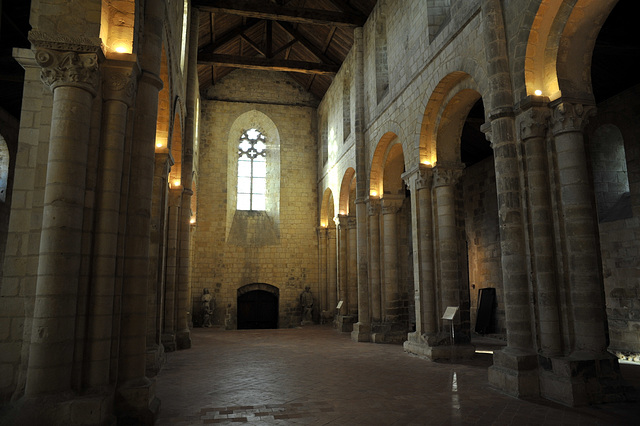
[(306, 302), (206, 308)]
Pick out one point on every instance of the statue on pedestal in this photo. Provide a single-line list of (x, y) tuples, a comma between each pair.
[(306, 302), (206, 308)]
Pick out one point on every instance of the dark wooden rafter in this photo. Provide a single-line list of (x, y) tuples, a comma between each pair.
[(229, 36), (273, 11), (237, 61), (325, 46), (318, 53)]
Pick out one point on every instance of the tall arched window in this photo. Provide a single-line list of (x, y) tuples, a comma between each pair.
[(252, 171)]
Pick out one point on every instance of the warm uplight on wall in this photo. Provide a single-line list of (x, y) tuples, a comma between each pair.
[(426, 163), (175, 183), (538, 92), (122, 48), (192, 220), (160, 143), (373, 193)]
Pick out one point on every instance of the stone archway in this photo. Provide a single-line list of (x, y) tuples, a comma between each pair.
[(258, 306)]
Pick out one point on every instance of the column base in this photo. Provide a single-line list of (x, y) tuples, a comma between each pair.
[(388, 332), (155, 359), (169, 342), (582, 380), (361, 332), (183, 339), (515, 373), (422, 347), (345, 323), (62, 409), (136, 403)]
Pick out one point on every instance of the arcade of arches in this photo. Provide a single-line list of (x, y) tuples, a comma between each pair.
[(481, 155)]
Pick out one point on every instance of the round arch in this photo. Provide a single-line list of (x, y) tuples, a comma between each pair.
[(327, 209), (376, 179), (348, 182), (560, 46)]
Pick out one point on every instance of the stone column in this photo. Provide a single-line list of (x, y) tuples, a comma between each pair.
[(73, 77), (362, 329), (390, 208), (514, 368), (343, 262), (578, 227), (157, 263), (119, 83), (135, 393), (183, 336), (419, 181), (374, 259), (445, 179), (322, 270), (332, 271), (170, 326), (352, 265), (533, 125)]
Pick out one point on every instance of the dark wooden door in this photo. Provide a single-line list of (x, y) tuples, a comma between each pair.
[(257, 309)]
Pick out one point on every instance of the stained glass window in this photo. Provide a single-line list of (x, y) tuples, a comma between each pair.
[(252, 171)]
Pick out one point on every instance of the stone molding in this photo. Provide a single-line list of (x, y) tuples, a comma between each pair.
[(447, 174), (341, 220), (65, 42), (418, 178), (69, 68), (164, 161), (569, 116)]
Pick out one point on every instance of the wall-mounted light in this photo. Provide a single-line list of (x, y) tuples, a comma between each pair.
[(122, 48), (192, 220), (426, 163), (538, 92), (373, 193), (175, 183)]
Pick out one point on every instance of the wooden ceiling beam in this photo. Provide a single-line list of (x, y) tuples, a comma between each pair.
[(276, 12), (317, 52), (236, 61), (230, 36)]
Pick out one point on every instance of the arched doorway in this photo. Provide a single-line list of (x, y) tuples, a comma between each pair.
[(257, 307)]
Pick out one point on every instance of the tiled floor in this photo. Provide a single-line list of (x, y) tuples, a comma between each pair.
[(317, 376)]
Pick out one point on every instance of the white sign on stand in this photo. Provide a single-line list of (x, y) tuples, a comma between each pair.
[(449, 314)]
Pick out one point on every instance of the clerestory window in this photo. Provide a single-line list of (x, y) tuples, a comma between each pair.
[(252, 171)]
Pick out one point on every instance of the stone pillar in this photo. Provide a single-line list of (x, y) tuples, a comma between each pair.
[(119, 83), (73, 77), (419, 181), (352, 267), (135, 393), (343, 262), (157, 263), (183, 337), (533, 125), (579, 229), (332, 271), (390, 208), (362, 329), (514, 368), (374, 259), (322, 270), (445, 180), (170, 326)]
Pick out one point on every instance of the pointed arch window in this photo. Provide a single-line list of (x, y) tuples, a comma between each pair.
[(252, 171)]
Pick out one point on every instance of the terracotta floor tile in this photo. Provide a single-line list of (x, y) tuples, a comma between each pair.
[(317, 376)]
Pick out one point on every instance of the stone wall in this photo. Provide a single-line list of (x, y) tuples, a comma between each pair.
[(279, 246), (619, 218), (483, 237)]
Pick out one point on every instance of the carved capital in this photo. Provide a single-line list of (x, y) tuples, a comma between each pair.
[(425, 178), (69, 69), (533, 123), (570, 117), (164, 161), (391, 205), (446, 174), (373, 206), (119, 81), (341, 220), (352, 223), (65, 42)]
